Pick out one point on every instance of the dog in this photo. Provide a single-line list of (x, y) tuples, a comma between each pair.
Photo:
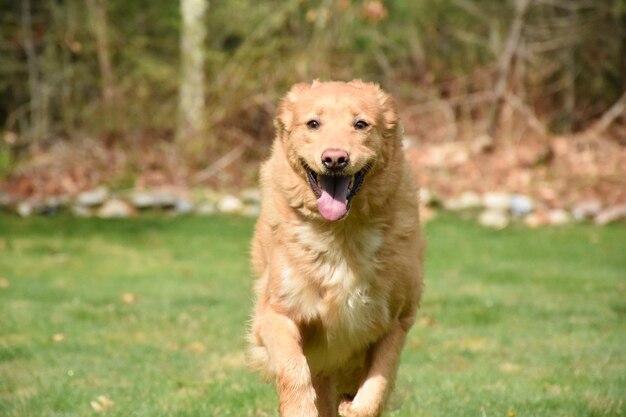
[(337, 251)]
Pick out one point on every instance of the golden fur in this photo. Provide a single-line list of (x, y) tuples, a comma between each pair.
[(335, 299)]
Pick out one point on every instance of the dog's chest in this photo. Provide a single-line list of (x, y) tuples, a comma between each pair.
[(342, 292)]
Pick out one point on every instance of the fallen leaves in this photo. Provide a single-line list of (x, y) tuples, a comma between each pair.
[(129, 298), (102, 404), (58, 337)]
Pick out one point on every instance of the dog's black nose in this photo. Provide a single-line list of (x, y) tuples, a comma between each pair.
[(335, 159)]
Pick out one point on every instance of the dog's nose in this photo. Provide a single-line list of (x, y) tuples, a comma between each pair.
[(335, 159)]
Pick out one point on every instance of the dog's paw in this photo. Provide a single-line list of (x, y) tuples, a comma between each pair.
[(344, 407), (348, 409)]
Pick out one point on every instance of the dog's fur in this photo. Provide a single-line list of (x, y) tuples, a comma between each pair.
[(335, 298)]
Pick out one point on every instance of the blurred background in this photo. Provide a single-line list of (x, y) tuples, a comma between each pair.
[(514, 114), (519, 96)]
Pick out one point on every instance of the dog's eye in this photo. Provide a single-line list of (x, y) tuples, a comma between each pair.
[(360, 124), (313, 124)]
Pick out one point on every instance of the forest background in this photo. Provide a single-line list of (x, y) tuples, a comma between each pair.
[(527, 96)]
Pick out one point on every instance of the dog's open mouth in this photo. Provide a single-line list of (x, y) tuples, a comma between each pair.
[(334, 192)]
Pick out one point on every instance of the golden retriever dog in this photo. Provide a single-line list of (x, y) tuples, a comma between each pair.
[(337, 252)]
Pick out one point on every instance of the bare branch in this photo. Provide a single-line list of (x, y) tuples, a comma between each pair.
[(602, 124), (531, 118), (217, 166), (98, 11), (505, 62)]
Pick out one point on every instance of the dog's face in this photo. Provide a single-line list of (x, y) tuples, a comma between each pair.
[(334, 135)]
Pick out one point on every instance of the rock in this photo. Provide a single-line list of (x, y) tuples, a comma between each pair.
[(115, 208), (92, 198), (586, 209), (80, 211), (25, 208), (537, 219), (611, 214), (53, 205), (229, 205), (251, 195), (183, 206), (558, 217), (5, 200), (466, 201), (206, 208), (148, 200), (251, 210), (496, 201), (497, 219), (521, 205)]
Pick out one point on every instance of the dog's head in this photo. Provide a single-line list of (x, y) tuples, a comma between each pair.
[(335, 135)]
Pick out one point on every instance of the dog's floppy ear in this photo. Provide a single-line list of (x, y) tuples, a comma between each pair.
[(284, 113), (389, 113)]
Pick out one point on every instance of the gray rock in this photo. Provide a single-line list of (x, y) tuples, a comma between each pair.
[(611, 214), (521, 205), (183, 206), (206, 208), (147, 200), (115, 208), (230, 205), (251, 195), (93, 198), (497, 201), (80, 211), (53, 205), (586, 209), (497, 219), (465, 201)]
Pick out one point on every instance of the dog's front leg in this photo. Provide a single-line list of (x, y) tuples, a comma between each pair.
[(372, 394), (281, 337)]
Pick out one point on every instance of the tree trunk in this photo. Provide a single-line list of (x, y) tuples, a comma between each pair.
[(191, 94), (98, 15), (38, 120), (504, 64)]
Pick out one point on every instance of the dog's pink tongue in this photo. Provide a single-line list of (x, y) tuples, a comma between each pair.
[(332, 202)]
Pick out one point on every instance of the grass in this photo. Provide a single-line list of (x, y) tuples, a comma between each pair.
[(151, 312)]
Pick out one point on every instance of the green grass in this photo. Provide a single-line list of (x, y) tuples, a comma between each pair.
[(524, 322)]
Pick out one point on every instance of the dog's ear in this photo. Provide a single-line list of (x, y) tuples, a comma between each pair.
[(284, 112), (389, 112)]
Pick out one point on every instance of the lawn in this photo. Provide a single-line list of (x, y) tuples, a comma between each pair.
[(146, 317)]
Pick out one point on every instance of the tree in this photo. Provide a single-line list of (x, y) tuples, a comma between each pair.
[(191, 93), (98, 15)]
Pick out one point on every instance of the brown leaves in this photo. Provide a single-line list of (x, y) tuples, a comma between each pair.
[(58, 337), (129, 298), (102, 404)]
